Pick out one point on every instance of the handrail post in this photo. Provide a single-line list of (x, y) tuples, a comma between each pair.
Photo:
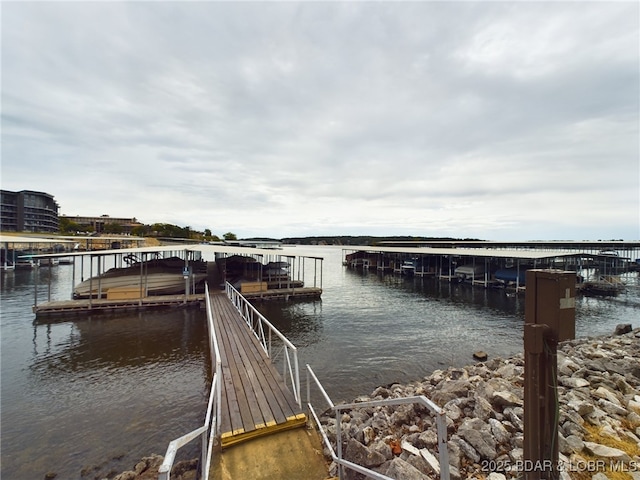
[(297, 385), (204, 448), (443, 452), (308, 387), (219, 399), (339, 441)]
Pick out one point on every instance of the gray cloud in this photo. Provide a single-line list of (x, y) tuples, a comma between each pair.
[(489, 119)]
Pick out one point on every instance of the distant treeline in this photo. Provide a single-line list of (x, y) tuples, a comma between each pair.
[(365, 240), (167, 230)]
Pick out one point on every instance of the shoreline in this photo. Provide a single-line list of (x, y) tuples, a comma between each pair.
[(599, 417), (598, 432)]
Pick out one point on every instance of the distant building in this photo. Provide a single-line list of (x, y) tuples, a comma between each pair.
[(97, 224), (28, 211)]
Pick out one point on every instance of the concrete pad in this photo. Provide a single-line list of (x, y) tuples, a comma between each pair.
[(293, 454)]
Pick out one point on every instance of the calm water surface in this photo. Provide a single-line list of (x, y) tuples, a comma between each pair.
[(87, 396)]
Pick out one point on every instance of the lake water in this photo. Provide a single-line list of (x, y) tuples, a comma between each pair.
[(83, 397)]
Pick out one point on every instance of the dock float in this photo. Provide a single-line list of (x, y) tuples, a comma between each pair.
[(60, 308), (285, 294), (255, 399), (103, 305)]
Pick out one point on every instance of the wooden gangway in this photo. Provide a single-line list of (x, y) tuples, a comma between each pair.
[(255, 400)]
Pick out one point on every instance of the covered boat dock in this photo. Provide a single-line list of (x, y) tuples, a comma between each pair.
[(261, 274), (488, 265)]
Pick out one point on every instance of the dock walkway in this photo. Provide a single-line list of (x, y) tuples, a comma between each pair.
[(255, 399)]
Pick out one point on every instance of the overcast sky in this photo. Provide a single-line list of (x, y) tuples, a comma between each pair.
[(494, 120)]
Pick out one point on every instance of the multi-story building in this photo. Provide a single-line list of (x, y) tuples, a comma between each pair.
[(28, 211), (97, 224)]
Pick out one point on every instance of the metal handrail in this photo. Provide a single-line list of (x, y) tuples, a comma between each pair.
[(258, 324), (337, 457), (210, 430)]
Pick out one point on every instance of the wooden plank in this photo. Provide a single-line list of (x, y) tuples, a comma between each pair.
[(248, 417), (243, 384), (248, 359), (238, 407), (275, 381), (255, 386), (234, 403), (230, 417), (278, 393), (256, 359), (255, 399)]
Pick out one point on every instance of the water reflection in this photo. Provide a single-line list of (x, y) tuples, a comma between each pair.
[(101, 392), (102, 341), (300, 322)]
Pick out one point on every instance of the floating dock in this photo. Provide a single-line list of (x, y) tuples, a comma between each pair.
[(86, 307), (64, 308)]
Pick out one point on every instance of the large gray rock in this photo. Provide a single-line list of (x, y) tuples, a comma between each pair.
[(515, 415), (466, 449), (428, 439), (606, 452), (382, 448), (482, 443), (566, 366), (402, 470), (575, 444), (506, 399), (612, 408), (454, 454), (450, 390), (403, 415), (574, 382), (452, 410), (499, 432), (622, 328), (483, 408), (606, 394), (358, 453)]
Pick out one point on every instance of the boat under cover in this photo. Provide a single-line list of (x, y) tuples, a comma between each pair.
[(469, 272), (511, 275), (153, 277)]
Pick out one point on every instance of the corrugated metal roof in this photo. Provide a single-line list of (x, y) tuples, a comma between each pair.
[(4, 238), (473, 252), (204, 248)]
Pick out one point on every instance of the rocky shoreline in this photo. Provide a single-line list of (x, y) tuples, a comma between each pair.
[(599, 418), (598, 433)]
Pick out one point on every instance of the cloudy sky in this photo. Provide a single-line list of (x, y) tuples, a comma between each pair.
[(495, 120)]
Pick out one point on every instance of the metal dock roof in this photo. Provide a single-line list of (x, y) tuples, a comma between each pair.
[(472, 252), (204, 248)]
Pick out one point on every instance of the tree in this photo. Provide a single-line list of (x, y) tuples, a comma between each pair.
[(68, 226), (113, 228), (230, 236), (141, 230)]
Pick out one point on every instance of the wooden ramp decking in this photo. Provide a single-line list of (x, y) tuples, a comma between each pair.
[(255, 400)]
